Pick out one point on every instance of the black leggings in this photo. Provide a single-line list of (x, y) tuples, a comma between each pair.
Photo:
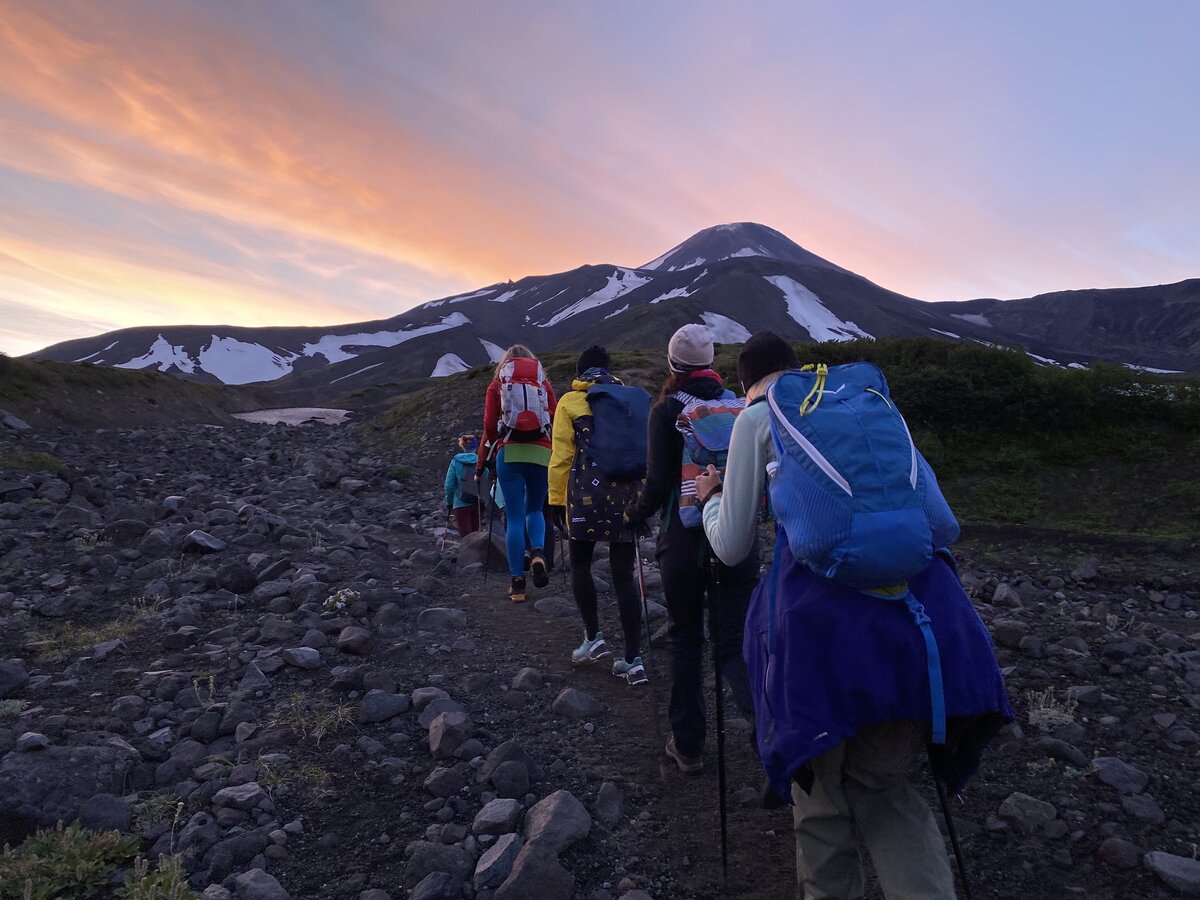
[(621, 562)]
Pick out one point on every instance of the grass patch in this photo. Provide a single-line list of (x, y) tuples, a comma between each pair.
[(1046, 712), (65, 862), (30, 462), (60, 640), (10, 709), (307, 775), (167, 882), (311, 718)]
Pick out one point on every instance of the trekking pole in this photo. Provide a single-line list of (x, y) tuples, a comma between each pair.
[(445, 531), (658, 734), (714, 634), (487, 556), (958, 855)]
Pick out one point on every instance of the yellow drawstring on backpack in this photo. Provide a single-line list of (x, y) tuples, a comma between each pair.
[(880, 396), (818, 389)]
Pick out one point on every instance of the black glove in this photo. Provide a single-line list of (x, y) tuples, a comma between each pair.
[(558, 517)]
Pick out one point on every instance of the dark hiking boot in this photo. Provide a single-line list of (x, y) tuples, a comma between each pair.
[(516, 591), (688, 765), (537, 567)]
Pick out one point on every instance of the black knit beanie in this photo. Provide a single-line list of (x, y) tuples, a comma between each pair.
[(764, 353), (594, 357)]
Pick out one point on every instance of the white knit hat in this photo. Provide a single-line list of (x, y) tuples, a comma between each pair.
[(691, 347)]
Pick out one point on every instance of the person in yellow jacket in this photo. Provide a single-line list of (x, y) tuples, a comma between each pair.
[(588, 505)]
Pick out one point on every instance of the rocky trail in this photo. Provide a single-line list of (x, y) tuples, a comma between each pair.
[(171, 666)]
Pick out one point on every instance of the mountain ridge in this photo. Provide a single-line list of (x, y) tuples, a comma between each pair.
[(738, 278)]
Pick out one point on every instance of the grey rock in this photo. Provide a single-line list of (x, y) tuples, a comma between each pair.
[(105, 812), (441, 618), (379, 706), (610, 805), (1120, 775), (13, 423), (201, 542), (557, 821), (444, 782), (1006, 595), (1144, 807), (423, 696), (1009, 632), (1086, 694), (499, 816), (1086, 570), (447, 731), (241, 796), (509, 751), (1181, 873), (435, 708), (31, 741), (1119, 853), (426, 857), (50, 786), (1026, 813), (496, 864), (254, 680), (269, 590), (302, 658), (481, 547), (13, 677), (510, 779), (355, 640), (537, 873), (215, 892), (436, 886), (527, 679), (258, 885), (575, 704)]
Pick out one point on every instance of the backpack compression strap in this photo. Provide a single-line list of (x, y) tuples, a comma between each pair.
[(937, 693)]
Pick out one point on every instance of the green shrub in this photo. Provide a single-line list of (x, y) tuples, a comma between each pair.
[(32, 462), (64, 862)]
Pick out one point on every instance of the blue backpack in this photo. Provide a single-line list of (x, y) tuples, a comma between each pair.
[(856, 501), (859, 503), (620, 413)]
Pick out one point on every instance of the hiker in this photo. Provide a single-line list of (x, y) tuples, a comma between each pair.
[(518, 415), (683, 557), (462, 497), (843, 681), (589, 499)]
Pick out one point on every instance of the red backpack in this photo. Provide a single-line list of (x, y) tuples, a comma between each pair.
[(524, 402)]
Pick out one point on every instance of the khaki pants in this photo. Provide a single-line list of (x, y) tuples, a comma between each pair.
[(866, 782)]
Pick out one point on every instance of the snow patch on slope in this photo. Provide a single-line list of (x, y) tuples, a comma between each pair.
[(617, 312), (356, 372), (448, 364), (1151, 370), (724, 329), (332, 346), (503, 298), (161, 355), (620, 282), (946, 333), (239, 362), (973, 318), (98, 352), (494, 351), (806, 309)]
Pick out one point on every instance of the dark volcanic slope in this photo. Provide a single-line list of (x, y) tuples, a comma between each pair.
[(738, 278)]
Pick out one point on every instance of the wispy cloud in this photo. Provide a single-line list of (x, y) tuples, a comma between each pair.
[(305, 161)]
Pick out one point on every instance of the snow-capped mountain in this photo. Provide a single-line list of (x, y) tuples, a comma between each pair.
[(737, 278)]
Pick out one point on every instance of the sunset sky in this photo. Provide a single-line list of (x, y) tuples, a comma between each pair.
[(281, 163)]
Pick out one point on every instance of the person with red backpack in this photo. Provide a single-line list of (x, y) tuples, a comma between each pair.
[(692, 387), (518, 417)]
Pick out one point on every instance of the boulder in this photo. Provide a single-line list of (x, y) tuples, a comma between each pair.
[(557, 821), (536, 872), (52, 785)]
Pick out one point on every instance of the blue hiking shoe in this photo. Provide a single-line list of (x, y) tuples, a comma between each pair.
[(633, 672), (590, 651)]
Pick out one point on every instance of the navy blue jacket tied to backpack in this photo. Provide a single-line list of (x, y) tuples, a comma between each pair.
[(618, 440), (826, 660), (856, 502)]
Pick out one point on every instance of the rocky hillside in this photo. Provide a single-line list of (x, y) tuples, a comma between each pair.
[(172, 667)]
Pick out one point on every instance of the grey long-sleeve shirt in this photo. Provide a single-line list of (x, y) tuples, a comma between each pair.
[(730, 517)]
